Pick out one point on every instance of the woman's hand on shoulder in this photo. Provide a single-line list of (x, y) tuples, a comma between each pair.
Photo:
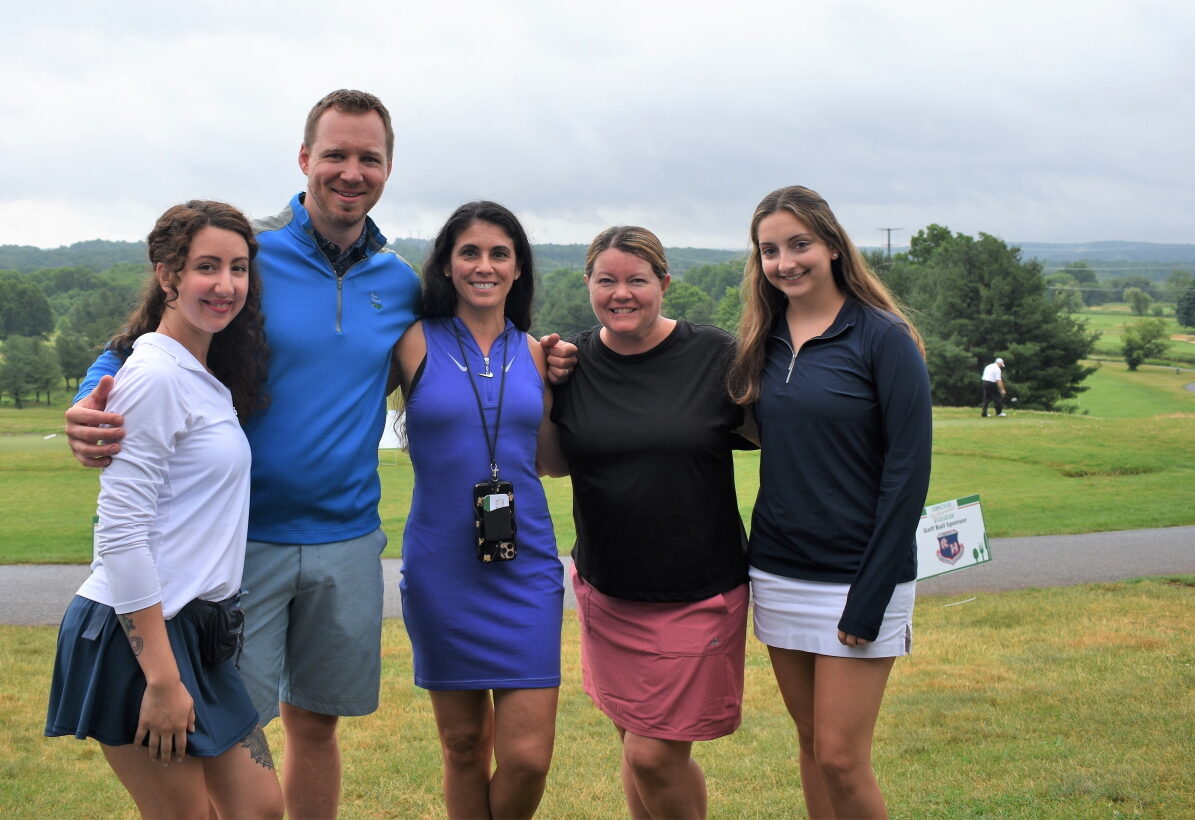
[(561, 357)]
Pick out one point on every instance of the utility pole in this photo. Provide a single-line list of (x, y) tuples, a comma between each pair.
[(889, 232)]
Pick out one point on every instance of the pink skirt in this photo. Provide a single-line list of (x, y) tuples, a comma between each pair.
[(669, 671)]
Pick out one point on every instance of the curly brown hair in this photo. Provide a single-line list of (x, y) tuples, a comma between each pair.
[(238, 354)]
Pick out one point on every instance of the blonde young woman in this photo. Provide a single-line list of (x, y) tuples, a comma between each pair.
[(840, 391)]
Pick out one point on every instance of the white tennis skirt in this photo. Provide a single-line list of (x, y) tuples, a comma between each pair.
[(803, 615)]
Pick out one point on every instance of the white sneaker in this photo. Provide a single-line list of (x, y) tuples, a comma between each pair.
[(1001, 414)]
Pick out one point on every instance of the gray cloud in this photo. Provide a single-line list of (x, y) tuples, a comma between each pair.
[(1035, 122)]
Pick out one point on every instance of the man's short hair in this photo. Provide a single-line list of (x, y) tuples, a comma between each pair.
[(350, 102)]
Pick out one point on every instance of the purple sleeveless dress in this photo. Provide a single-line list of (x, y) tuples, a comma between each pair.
[(474, 625)]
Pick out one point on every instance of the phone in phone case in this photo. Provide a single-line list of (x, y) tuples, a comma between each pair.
[(494, 516)]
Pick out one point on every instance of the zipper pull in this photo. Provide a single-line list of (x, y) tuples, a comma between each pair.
[(791, 362)]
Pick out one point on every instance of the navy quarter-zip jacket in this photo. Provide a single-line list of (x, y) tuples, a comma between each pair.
[(845, 429)]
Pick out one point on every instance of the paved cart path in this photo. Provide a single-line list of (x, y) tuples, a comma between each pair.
[(38, 593)]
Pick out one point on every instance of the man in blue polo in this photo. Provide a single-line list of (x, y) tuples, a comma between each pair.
[(335, 300)]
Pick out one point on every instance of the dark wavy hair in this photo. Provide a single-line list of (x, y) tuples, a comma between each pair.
[(439, 294), (238, 354)]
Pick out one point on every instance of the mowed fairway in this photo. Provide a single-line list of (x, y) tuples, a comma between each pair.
[(1110, 320), (1125, 461)]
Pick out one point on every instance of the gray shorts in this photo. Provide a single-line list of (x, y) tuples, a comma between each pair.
[(313, 625)]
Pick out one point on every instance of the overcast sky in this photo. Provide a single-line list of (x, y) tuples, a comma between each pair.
[(1039, 121)]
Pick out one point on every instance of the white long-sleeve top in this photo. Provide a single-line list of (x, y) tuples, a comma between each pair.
[(174, 503)]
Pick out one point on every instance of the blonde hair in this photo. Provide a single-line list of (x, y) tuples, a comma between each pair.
[(629, 239), (762, 302)]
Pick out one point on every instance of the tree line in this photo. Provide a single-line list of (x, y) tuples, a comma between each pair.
[(53, 321), (973, 298)]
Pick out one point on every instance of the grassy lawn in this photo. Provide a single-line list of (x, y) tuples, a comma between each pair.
[(1126, 460), (1004, 710), (1056, 703), (1110, 321)]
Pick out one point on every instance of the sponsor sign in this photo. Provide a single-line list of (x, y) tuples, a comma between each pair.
[(951, 536)]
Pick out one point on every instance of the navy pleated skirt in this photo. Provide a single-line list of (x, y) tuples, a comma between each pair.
[(98, 684)]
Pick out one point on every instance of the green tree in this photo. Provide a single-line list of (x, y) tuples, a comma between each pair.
[(1089, 284), (1081, 272), (729, 310), (1177, 283), (927, 241), (953, 377), (74, 357), (24, 310), (975, 297), (19, 369), (55, 281), (715, 279), (1142, 283), (99, 314), (561, 304), (685, 301), (1146, 339), (1139, 301), (878, 260), (46, 371), (1064, 290), (1184, 311)]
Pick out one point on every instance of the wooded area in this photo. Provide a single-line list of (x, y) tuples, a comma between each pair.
[(973, 298)]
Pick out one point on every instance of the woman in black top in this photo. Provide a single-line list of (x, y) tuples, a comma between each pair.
[(647, 428)]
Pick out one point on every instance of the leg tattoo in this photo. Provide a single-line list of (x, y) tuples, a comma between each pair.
[(258, 748)]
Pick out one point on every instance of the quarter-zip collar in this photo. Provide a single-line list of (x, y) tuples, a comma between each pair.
[(369, 242), (844, 321), (484, 369)]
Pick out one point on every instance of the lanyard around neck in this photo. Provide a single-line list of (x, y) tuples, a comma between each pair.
[(491, 444)]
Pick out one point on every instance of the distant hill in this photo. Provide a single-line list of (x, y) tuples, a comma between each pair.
[(100, 255), (549, 257), (1097, 254), (1109, 252), (1153, 260), (97, 254), (1112, 256)]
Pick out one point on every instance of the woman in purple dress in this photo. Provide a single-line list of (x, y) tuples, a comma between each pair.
[(482, 587)]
